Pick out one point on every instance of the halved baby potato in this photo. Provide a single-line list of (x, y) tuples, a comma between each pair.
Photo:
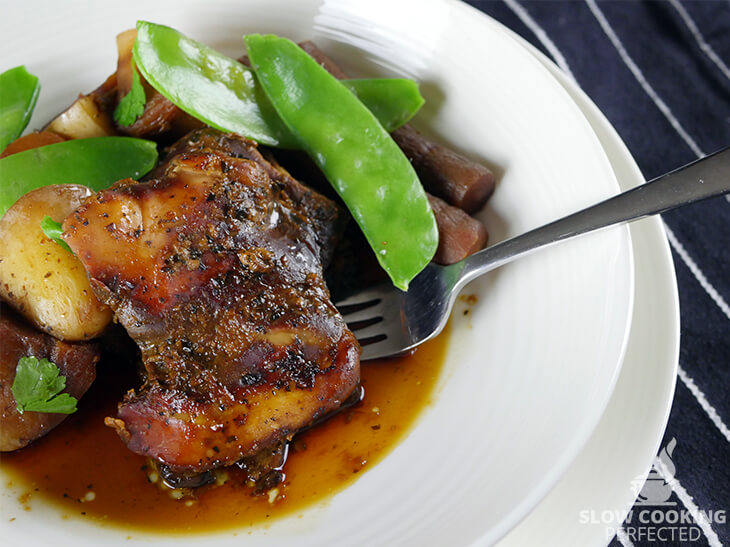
[(41, 279), (83, 119)]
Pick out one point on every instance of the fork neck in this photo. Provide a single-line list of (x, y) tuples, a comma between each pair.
[(702, 179)]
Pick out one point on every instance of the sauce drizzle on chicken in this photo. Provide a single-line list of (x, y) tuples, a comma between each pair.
[(215, 270)]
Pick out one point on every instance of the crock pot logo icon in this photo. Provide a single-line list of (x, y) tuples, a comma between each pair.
[(656, 490)]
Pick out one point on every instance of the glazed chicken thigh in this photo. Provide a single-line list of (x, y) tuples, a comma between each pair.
[(215, 268)]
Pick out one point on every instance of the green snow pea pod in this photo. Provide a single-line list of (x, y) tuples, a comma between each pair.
[(358, 157), (393, 101), (224, 93), (95, 162), (19, 91)]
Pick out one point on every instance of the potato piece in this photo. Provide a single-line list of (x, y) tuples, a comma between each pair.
[(125, 43), (90, 115), (41, 279), (83, 119)]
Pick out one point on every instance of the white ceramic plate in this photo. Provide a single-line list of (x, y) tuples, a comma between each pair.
[(594, 496), (529, 374)]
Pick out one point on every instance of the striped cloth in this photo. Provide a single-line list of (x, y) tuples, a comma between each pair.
[(660, 72)]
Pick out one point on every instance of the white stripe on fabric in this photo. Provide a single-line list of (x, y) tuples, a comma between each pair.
[(540, 34), (706, 406), (623, 539), (709, 289), (689, 503), (679, 248), (704, 46), (661, 105), (686, 499)]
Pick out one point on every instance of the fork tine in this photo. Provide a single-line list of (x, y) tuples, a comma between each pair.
[(370, 330), (358, 326), (368, 307), (360, 298), (378, 347), (372, 340), (374, 316), (365, 314)]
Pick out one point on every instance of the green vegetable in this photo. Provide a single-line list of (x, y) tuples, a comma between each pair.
[(214, 88), (224, 93), (53, 230), (37, 386), (393, 101), (354, 151), (131, 106), (18, 94), (96, 163)]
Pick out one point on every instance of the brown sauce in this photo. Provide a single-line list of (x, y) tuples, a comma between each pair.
[(83, 468)]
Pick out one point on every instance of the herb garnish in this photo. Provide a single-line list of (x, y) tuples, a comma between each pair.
[(53, 230), (37, 386), (131, 106)]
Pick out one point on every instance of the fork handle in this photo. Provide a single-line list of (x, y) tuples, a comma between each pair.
[(705, 178)]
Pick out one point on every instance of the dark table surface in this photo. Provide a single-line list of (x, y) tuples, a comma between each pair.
[(660, 72)]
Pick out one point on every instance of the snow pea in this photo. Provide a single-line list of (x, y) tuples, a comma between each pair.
[(393, 101), (95, 162), (356, 154), (224, 93), (19, 91)]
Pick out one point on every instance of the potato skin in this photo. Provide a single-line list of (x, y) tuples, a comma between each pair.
[(83, 119), (43, 281)]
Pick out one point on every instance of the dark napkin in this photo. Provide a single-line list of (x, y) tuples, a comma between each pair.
[(660, 72)]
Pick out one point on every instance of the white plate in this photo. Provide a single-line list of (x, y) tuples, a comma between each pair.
[(594, 496), (529, 374)]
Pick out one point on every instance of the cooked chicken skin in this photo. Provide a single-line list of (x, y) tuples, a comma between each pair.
[(215, 269)]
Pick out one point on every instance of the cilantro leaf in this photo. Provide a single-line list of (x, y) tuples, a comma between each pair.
[(131, 106), (37, 386), (53, 230)]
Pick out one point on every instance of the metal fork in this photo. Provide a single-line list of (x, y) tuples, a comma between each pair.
[(391, 322)]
